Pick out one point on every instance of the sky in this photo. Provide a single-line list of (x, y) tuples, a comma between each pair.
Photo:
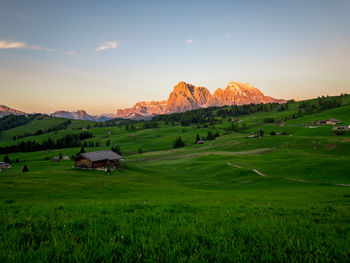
[(103, 55)]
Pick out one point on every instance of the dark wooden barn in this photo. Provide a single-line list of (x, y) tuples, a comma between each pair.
[(98, 159)]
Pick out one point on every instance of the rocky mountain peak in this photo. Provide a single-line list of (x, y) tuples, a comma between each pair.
[(186, 96)]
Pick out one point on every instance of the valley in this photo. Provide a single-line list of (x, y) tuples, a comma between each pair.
[(232, 198)]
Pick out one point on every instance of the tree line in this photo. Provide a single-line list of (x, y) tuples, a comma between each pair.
[(13, 121), (68, 141), (54, 128)]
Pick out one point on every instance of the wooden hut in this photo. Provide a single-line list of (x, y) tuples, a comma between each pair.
[(98, 159)]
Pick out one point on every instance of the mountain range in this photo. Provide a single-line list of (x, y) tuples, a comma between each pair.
[(75, 115), (81, 115), (184, 97)]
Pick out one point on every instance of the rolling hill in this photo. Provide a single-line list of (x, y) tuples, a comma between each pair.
[(285, 197)]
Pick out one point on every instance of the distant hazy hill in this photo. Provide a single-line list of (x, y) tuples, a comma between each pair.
[(186, 97), (4, 111), (75, 115), (80, 115)]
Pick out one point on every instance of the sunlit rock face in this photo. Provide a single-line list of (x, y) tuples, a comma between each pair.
[(237, 93), (186, 97)]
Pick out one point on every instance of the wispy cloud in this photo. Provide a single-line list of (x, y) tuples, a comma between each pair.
[(8, 44), (5, 44), (189, 41), (71, 53), (108, 45), (35, 47)]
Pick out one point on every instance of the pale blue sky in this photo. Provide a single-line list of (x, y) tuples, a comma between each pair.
[(104, 55)]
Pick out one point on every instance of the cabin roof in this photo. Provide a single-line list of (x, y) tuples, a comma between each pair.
[(100, 155)]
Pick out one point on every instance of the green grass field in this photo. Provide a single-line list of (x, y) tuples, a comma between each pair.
[(234, 199)]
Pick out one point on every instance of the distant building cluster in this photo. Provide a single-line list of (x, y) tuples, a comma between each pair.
[(329, 122), (326, 122)]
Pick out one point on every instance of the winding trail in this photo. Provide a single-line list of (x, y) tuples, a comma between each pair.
[(235, 165), (258, 172), (298, 180), (292, 179)]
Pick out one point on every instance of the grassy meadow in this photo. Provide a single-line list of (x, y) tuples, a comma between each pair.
[(233, 199)]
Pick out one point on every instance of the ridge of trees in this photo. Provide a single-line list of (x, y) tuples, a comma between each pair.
[(68, 141), (13, 121), (54, 128), (209, 115)]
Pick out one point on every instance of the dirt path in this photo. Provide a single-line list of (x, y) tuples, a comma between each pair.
[(343, 184), (157, 156), (226, 153), (235, 165), (258, 172), (298, 180)]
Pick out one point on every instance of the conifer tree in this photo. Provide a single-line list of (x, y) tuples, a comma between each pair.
[(216, 134), (197, 138), (260, 133), (25, 169), (6, 159), (116, 149), (210, 136), (178, 143)]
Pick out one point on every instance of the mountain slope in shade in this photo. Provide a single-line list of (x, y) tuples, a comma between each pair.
[(4, 111), (186, 97), (143, 110), (80, 115)]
